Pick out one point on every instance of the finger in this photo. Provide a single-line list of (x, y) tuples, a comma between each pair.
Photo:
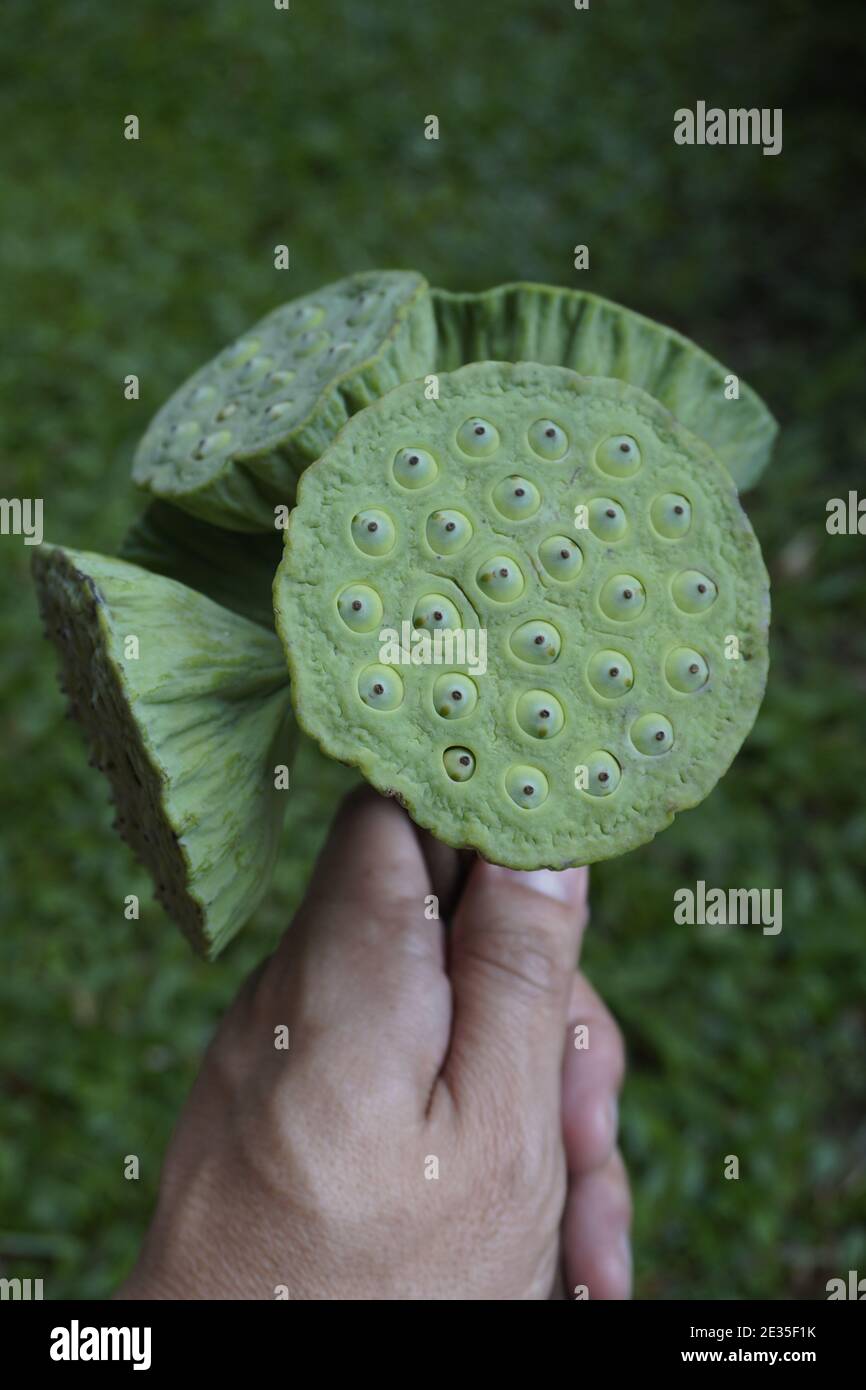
[(592, 1073), (596, 1244), (514, 946), (447, 868)]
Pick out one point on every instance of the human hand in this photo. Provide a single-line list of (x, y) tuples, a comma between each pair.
[(431, 1132)]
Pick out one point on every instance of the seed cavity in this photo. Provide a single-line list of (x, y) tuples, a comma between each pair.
[(610, 673), (477, 438), (619, 456), (516, 498), (380, 687), (652, 734), (414, 468), (693, 592), (607, 519), (536, 642), (671, 515), (527, 786), (454, 695), (373, 532), (548, 440), (434, 612), (501, 579), (539, 714), (686, 670), (448, 531), (459, 763), (622, 598), (360, 607)]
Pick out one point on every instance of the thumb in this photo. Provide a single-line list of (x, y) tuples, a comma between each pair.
[(515, 945)]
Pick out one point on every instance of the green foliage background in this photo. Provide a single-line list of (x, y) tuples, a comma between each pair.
[(306, 127)]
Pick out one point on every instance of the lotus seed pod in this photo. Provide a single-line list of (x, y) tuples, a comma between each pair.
[(448, 531), (593, 336), (561, 685), (234, 568), (459, 764), (373, 532), (189, 730), (561, 557), (230, 443), (686, 670)]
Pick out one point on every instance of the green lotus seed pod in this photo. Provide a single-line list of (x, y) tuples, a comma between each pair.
[(652, 734), (536, 642), (623, 598), (360, 607), (607, 519), (322, 359), (693, 592), (619, 457), (539, 713), (603, 774), (500, 578), (459, 763), (686, 670), (435, 612), (186, 710), (561, 557), (610, 674), (527, 786), (576, 329), (671, 515), (548, 439), (478, 438), (380, 687), (516, 498), (373, 532), (415, 468), (448, 531), (454, 695), (562, 685)]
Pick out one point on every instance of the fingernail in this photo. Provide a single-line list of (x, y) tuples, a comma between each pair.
[(565, 885)]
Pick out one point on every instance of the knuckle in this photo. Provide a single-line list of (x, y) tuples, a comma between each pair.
[(531, 960)]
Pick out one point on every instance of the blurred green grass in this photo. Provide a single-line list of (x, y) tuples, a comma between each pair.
[(306, 127)]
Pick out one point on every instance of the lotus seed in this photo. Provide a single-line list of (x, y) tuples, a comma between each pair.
[(693, 592), (213, 444), (536, 642), (478, 438), (527, 786), (380, 687), (459, 764), (435, 611), (610, 674), (548, 440), (652, 734), (607, 519), (414, 468), (622, 598), (448, 531), (360, 607), (620, 456), (603, 773), (516, 498), (454, 695), (203, 395), (240, 352), (561, 557), (686, 670), (671, 515), (501, 579), (373, 532), (539, 714)]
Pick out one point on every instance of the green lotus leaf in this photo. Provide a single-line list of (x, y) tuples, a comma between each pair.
[(229, 444), (600, 552), (595, 337), (185, 707)]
